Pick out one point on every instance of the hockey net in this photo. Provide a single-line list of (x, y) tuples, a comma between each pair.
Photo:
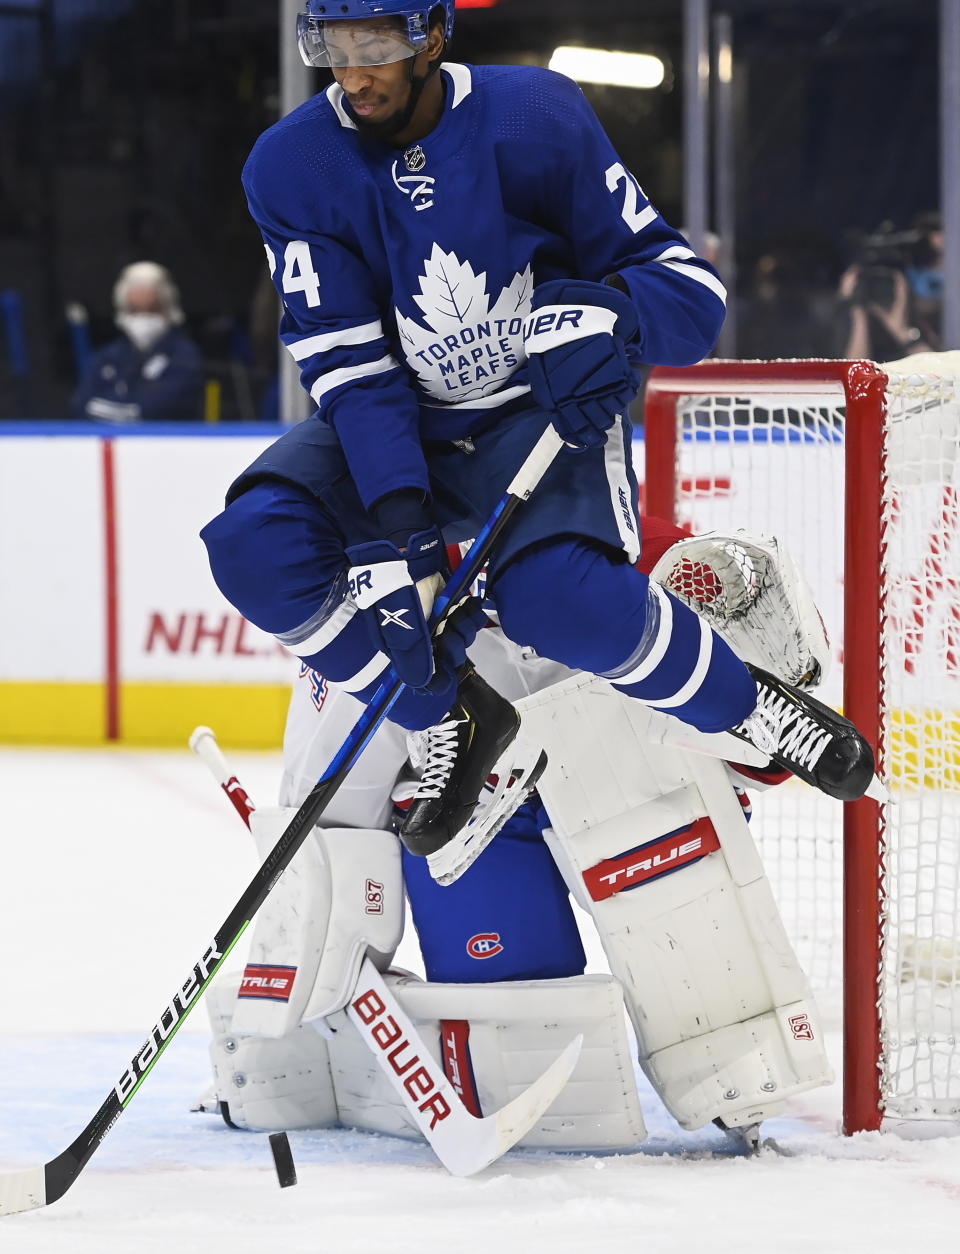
[(853, 466)]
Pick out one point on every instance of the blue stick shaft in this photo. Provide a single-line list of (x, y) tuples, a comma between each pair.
[(526, 479), (60, 1172)]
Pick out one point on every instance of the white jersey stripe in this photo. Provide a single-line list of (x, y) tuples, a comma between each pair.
[(701, 276), (335, 96), (675, 253), (374, 668), (652, 659), (301, 349), (484, 402), (693, 684), (333, 378), (325, 634), (112, 411), (462, 80)]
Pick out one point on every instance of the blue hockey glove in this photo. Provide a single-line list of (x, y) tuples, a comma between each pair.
[(457, 633), (395, 592), (575, 341)]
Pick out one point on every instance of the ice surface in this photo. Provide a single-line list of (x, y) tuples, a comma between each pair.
[(118, 865)]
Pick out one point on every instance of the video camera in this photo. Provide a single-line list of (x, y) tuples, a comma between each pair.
[(880, 257)]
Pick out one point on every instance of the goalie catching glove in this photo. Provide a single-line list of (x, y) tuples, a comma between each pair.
[(576, 340)]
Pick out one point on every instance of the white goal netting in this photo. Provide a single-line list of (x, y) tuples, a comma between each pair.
[(763, 457)]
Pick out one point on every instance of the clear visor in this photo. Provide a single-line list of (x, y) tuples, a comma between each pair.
[(351, 43)]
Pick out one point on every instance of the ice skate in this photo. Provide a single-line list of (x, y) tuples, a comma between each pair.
[(810, 740), (749, 1142), (476, 773), (745, 1137)]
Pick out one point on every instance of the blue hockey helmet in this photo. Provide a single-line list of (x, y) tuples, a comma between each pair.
[(390, 44)]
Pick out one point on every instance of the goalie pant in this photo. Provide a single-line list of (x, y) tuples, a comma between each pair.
[(732, 1047)]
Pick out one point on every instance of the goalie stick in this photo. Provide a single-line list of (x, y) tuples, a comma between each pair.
[(39, 1186), (462, 1142)]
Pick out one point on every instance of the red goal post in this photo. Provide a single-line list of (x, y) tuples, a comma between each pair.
[(851, 465)]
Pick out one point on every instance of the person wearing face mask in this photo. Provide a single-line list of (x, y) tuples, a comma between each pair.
[(152, 372)]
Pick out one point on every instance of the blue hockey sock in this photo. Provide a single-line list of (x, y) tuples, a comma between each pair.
[(578, 604), (481, 928)]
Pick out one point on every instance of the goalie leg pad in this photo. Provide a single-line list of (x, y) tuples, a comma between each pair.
[(654, 844), (266, 1085), (341, 896), (320, 717), (494, 1039)]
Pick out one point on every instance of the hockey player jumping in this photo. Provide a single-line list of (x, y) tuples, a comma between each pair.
[(463, 260)]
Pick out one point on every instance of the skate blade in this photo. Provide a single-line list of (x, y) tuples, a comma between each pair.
[(878, 791), (515, 783)]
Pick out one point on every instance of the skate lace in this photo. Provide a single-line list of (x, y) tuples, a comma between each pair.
[(799, 738), (442, 747)]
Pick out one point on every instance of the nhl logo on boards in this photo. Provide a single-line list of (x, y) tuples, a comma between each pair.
[(415, 159)]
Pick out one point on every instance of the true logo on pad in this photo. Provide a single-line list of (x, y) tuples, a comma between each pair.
[(267, 983), (655, 858)]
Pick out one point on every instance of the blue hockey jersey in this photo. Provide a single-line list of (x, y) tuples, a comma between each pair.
[(406, 276)]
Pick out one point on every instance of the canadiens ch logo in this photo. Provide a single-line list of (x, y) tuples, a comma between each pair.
[(419, 187), (484, 945)]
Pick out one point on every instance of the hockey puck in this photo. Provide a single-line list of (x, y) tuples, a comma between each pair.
[(283, 1159)]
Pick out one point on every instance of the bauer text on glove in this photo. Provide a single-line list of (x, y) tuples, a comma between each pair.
[(576, 340)]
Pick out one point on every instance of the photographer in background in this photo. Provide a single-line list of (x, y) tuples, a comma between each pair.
[(153, 371), (892, 294), (925, 276)]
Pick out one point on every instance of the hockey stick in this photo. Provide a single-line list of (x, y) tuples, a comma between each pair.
[(462, 1142), (39, 1186)]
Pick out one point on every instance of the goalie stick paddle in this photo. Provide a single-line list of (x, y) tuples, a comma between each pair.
[(39, 1186), (462, 1142)]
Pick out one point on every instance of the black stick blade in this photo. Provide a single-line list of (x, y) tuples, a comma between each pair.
[(283, 1159)]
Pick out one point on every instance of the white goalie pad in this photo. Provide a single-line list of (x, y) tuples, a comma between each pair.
[(264, 1084), (340, 897), (492, 1040), (320, 717), (752, 593), (654, 845)]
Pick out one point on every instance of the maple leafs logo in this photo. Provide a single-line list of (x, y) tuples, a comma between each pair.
[(458, 352)]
